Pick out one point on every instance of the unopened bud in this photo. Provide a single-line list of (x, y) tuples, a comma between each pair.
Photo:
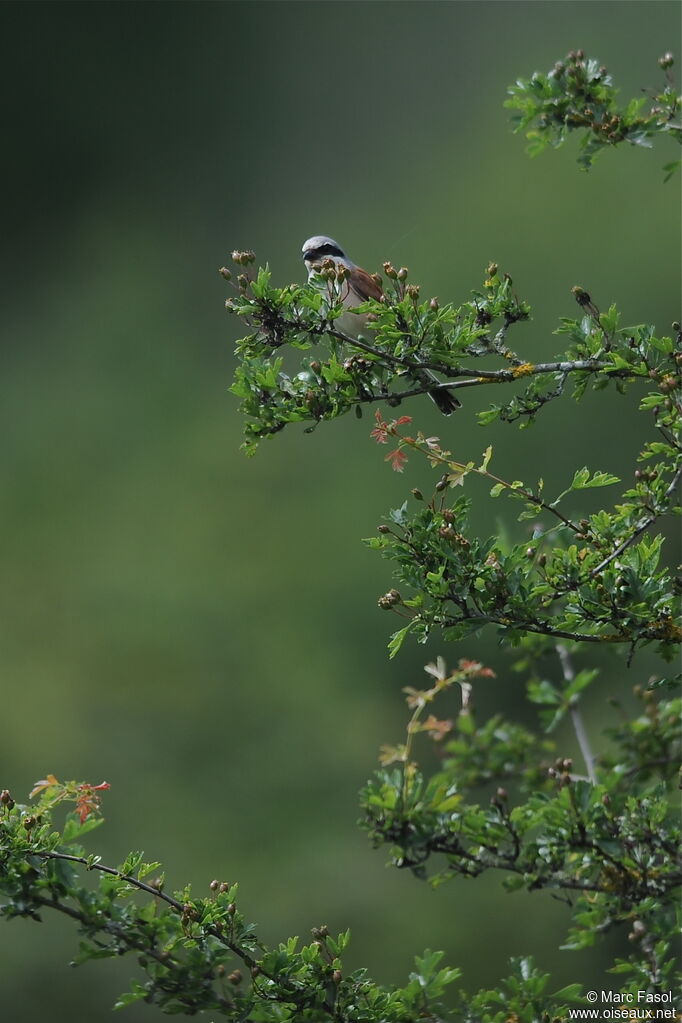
[(389, 600), (383, 528), (243, 257), (580, 295), (235, 977), (434, 305), (402, 273), (666, 61), (417, 494), (390, 271), (337, 976), (224, 272)]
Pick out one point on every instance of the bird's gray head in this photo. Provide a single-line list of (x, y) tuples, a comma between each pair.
[(320, 247)]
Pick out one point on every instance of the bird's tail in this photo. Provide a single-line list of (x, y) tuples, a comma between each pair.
[(443, 399)]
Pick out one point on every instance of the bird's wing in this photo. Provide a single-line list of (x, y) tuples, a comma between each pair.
[(362, 286)]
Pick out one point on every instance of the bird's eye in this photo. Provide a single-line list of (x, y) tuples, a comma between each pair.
[(323, 251)]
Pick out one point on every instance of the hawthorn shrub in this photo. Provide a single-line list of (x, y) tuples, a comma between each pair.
[(602, 834)]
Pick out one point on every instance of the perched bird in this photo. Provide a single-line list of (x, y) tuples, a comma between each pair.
[(358, 288)]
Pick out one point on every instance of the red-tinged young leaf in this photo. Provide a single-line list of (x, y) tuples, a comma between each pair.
[(88, 801), (397, 458), (436, 728), (44, 783)]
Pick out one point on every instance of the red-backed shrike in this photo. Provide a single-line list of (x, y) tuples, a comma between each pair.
[(359, 287)]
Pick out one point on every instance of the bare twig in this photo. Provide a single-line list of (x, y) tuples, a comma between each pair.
[(576, 716)]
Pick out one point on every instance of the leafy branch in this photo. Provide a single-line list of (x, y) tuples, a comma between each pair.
[(616, 854), (341, 373), (198, 954), (595, 579), (504, 797), (578, 95)]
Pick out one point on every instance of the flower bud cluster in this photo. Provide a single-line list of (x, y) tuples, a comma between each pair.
[(243, 258), (389, 600)]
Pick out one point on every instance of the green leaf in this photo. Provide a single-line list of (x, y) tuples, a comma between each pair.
[(543, 692), (609, 320), (601, 479), (581, 681), (399, 515), (580, 478), (74, 828), (671, 169), (570, 993), (486, 458), (136, 994), (397, 639)]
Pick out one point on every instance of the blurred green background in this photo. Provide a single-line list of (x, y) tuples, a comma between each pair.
[(201, 630)]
